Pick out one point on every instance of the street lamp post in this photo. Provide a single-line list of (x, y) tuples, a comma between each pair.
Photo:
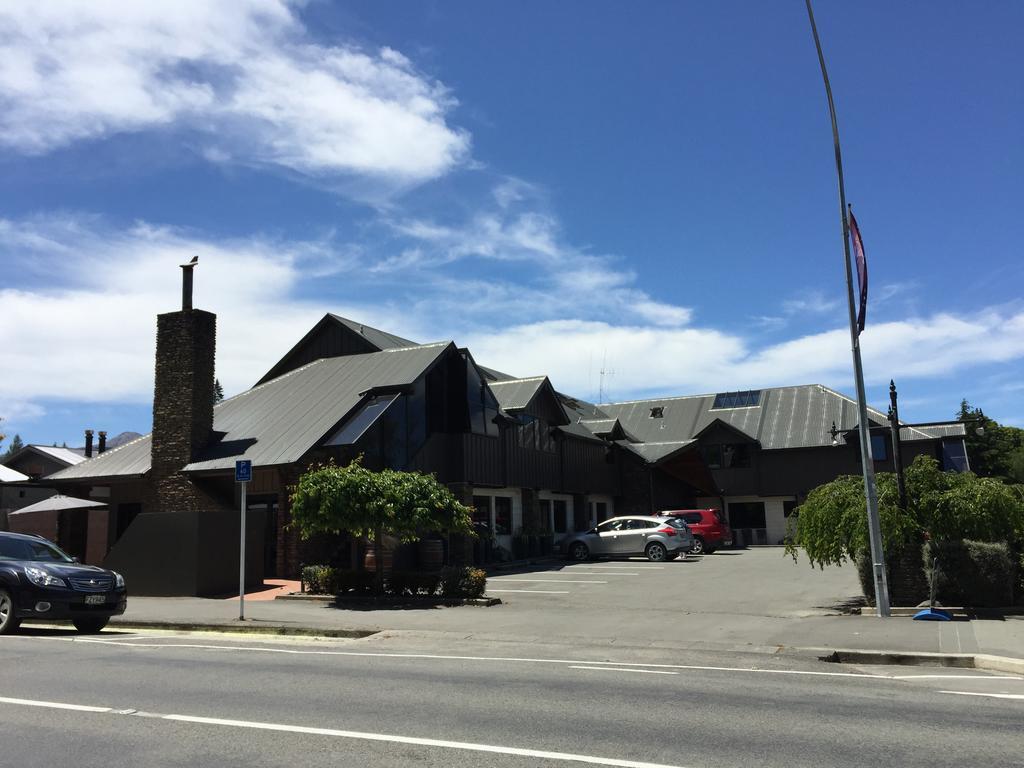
[(897, 452)]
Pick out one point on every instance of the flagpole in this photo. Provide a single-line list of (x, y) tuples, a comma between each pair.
[(867, 460)]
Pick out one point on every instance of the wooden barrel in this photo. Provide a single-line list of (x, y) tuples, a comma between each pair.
[(370, 560), (431, 552)]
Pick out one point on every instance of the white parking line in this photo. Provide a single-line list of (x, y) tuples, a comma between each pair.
[(619, 669), (337, 733), (549, 581), (530, 591), (1015, 696), (599, 573), (613, 566)]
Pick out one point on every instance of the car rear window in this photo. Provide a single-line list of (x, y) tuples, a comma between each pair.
[(692, 517)]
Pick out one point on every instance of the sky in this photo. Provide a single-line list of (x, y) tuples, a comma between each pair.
[(638, 200)]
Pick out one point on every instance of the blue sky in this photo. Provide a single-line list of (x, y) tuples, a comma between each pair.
[(561, 187)]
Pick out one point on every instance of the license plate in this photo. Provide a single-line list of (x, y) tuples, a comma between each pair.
[(95, 599)]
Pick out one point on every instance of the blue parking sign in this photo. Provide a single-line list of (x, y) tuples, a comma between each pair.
[(243, 471)]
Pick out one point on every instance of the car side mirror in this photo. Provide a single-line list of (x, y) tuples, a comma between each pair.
[(592, 530)]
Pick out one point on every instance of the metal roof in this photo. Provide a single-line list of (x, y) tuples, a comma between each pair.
[(8, 475), (652, 453), (65, 455), (380, 339), (787, 417), (279, 421), (516, 394), (932, 431)]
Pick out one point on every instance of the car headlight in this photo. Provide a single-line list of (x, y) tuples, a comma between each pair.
[(41, 578), (118, 580)]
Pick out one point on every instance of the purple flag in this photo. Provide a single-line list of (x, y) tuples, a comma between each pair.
[(862, 271)]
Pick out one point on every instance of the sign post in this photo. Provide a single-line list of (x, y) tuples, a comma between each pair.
[(243, 475)]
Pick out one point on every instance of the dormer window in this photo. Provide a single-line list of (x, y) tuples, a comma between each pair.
[(658, 412)]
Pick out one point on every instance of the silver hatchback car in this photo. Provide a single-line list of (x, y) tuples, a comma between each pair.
[(655, 538)]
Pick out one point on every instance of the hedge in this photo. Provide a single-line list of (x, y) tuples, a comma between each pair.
[(972, 573), (464, 582)]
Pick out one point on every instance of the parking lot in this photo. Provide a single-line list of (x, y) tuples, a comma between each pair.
[(760, 581)]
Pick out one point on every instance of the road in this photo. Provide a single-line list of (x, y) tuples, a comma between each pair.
[(165, 699)]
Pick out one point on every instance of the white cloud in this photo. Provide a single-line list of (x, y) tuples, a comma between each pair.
[(81, 325), (242, 74)]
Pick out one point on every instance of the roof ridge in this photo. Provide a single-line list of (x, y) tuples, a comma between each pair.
[(513, 381)]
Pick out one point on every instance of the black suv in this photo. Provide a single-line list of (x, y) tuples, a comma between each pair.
[(39, 581)]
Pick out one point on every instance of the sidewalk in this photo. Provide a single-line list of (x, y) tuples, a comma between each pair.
[(694, 631)]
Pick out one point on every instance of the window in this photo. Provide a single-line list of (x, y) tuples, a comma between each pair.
[(640, 525), (743, 399), (362, 420), (561, 524), (730, 455), (692, 518), (534, 433), (503, 515), (483, 408), (611, 526), (600, 510), (658, 412), (747, 514), (482, 515), (878, 448), (789, 508)]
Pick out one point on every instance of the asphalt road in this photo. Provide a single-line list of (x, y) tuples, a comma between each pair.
[(161, 699)]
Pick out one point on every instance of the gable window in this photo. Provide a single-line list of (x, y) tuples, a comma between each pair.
[(726, 456), (534, 433), (742, 399)]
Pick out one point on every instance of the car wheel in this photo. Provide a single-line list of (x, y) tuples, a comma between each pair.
[(90, 626), (698, 546), (8, 622), (656, 552), (579, 551)]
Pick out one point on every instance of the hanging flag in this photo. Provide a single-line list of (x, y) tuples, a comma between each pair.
[(862, 271)]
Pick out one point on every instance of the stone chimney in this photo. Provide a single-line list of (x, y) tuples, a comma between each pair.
[(103, 442), (182, 399), (88, 443)]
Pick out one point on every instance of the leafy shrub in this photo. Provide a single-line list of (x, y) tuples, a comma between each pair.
[(972, 573), (319, 579), (463, 582)]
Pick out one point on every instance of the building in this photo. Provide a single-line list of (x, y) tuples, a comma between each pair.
[(528, 458)]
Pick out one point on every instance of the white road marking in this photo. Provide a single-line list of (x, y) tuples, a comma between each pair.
[(604, 572), (360, 735), (135, 643), (52, 705), (1015, 696), (549, 581), (634, 671), (531, 591), (957, 677)]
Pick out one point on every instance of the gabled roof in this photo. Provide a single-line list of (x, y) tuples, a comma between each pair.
[(785, 417), (280, 421), (8, 475), (334, 336), (380, 339), (610, 429), (655, 453), (517, 395), (61, 455)]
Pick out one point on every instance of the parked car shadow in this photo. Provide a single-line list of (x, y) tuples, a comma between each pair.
[(60, 630)]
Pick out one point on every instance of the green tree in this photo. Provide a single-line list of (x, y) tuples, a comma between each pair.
[(832, 523), (997, 451), (332, 499), (15, 446), (218, 391)]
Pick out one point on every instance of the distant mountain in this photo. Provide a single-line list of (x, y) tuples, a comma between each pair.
[(112, 442)]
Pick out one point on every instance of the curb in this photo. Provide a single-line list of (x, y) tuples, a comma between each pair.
[(395, 602), (925, 659), (955, 610), (247, 628)]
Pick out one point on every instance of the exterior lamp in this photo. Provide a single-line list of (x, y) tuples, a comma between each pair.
[(835, 435)]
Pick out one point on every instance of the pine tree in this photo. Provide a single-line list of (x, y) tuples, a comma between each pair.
[(218, 391)]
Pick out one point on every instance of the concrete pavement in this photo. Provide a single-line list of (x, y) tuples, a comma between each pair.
[(744, 600)]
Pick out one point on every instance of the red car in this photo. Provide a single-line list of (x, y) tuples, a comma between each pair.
[(709, 528)]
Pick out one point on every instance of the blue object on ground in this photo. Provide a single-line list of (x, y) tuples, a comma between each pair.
[(932, 614)]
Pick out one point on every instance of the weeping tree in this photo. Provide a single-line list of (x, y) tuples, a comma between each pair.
[(831, 525), (353, 499)]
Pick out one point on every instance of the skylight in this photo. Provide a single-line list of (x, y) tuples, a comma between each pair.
[(742, 399)]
